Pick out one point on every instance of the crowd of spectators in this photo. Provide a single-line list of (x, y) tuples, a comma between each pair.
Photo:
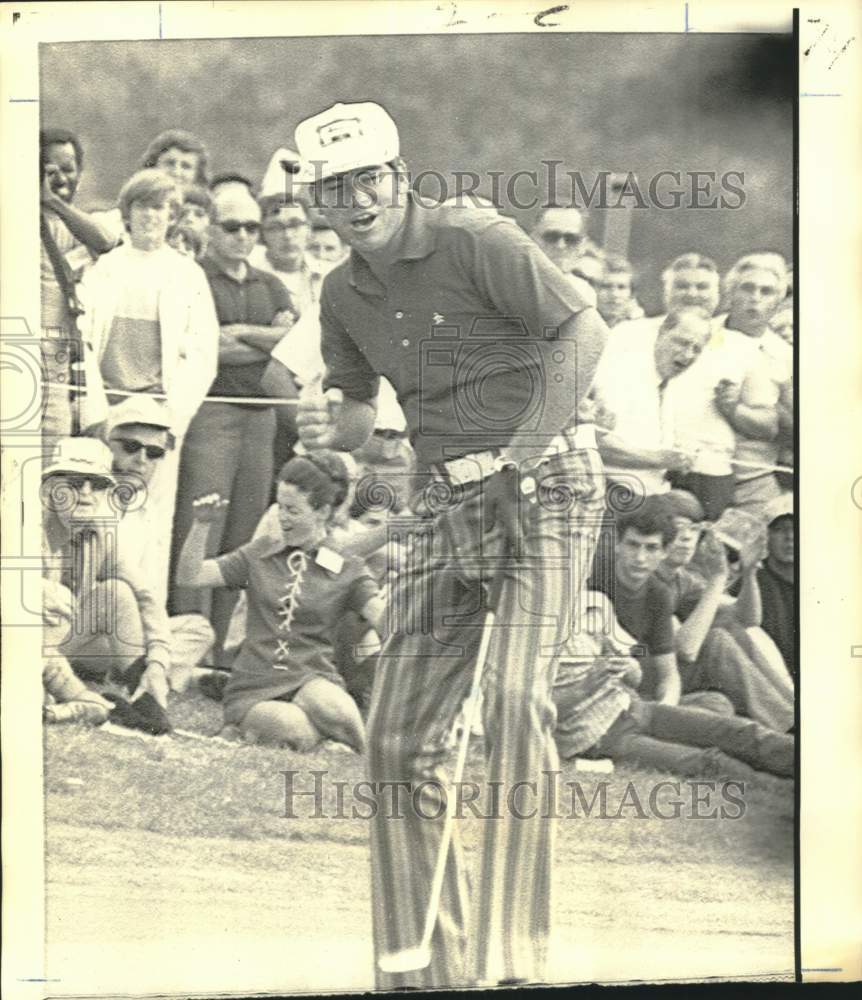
[(177, 331)]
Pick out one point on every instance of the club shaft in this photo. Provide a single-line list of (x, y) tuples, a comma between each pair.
[(457, 775)]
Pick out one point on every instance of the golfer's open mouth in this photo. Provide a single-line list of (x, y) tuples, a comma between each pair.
[(362, 223)]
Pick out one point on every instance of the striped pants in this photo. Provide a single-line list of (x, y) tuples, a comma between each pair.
[(422, 677)]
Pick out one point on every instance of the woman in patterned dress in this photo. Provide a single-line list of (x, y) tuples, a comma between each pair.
[(284, 687)]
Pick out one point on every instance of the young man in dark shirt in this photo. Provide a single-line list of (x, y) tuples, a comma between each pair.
[(228, 448), (777, 579)]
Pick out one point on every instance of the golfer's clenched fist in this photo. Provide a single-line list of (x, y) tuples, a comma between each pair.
[(317, 416)]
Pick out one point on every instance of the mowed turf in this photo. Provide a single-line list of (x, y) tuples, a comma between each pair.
[(184, 863)]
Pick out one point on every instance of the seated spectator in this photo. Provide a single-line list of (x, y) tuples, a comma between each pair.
[(754, 288), (139, 436), (70, 240), (284, 687), (228, 448), (717, 668), (615, 291), (150, 317), (99, 612), (632, 384), (600, 714), (777, 580)]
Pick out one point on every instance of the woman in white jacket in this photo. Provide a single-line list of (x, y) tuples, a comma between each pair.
[(150, 318)]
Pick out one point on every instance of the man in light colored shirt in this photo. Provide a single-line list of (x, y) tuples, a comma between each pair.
[(632, 384), (754, 289)]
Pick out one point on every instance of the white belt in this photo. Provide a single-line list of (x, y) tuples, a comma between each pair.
[(481, 464)]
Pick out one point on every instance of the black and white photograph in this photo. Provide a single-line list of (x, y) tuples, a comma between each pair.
[(405, 511)]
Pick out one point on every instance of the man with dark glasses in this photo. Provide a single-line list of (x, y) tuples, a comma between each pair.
[(99, 611), (228, 447), (561, 233), (139, 436)]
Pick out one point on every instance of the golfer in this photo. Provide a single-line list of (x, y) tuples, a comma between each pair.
[(489, 348)]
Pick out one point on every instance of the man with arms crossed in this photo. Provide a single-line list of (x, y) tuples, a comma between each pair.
[(478, 286)]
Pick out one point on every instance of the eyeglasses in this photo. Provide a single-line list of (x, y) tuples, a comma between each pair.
[(555, 235), (77, 483), (232, 226), (131, 447)]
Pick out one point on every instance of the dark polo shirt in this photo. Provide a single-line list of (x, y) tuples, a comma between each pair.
[(779, 613), (454, 327), (255, 300)]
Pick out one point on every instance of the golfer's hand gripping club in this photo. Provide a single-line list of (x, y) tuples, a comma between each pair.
[(317, 416)]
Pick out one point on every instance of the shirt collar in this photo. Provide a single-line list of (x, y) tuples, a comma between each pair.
[(416, 240), (323, 556), (212, 266)]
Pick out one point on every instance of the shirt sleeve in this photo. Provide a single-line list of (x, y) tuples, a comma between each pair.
[(522, 282), (347, 368), (660, 638), (362, 588), (281, 297), (154, 618), (235, 566)]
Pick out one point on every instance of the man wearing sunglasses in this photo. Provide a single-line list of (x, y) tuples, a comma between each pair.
[(139, 436), (560, 232), (99, 611), (228, 448)]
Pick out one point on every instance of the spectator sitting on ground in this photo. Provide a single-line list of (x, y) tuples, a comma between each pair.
[(754, 288), (284, 687), (600, 714), (99, 613), (718, 674), (719, 641), (228, 448), (777, 580), (615, 296), (632, 383), (139, 436), (150, 317), (70, 240)]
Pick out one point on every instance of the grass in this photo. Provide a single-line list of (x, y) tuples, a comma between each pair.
[(161, 823)]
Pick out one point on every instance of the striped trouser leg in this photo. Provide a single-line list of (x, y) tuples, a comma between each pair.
[(422, 678), (512, 902)]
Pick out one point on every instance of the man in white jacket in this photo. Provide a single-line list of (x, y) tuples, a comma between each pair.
[(150, 318)]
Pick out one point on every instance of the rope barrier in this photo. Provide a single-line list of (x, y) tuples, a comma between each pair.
[(280, 401)]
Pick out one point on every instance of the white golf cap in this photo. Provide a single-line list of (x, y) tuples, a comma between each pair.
[(81, 456), (139, 410), (283, 168), (346, 137)]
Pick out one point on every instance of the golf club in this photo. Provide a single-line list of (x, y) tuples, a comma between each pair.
[(419, 956)]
